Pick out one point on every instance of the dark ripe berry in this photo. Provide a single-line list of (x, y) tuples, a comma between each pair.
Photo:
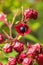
[(22, 29), (7, 48), (1, 38)]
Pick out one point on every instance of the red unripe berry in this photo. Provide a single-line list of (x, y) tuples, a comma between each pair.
[(38, 47), (27, 61), (20, 57), (30, 14), (7, 48), (11, 61), (35, 14), (1, 38), (40, 59), (27, 14), (34, 50), (3, 17), (18, 46)]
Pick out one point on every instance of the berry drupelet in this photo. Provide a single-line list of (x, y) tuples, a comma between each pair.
[(11, 61), (30, 14), (27, 61), (34, 50), (18, 46), (20, 57), (7, 48), (40, 59)]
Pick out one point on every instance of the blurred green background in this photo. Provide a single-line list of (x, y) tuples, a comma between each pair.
[(10, 6)]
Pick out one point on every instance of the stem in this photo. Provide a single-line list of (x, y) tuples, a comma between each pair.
[(14, 17), (10, 32), (6, 23), (19, 37), (10, 28), (22, 13), (6, 34)]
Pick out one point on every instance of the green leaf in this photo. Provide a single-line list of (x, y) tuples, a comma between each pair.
[(12, 54), (31, 37), (1, 23), (4, 61)]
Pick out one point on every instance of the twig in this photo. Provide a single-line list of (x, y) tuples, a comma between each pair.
[(22, 13), (6, 23), (10, 27), (6, 34), (14, 17)]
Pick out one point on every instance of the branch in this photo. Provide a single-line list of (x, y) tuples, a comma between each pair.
[(6, 23), (10, 27), (3, 18), (22, 13), (6, 34), (14, 17)]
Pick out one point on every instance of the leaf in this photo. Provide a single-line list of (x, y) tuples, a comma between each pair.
[(31, 37), (1, 23), (12, 54), (1, 55), (4, 61)]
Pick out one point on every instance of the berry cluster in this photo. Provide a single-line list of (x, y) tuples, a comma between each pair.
[(33, 52), (27, 54)]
